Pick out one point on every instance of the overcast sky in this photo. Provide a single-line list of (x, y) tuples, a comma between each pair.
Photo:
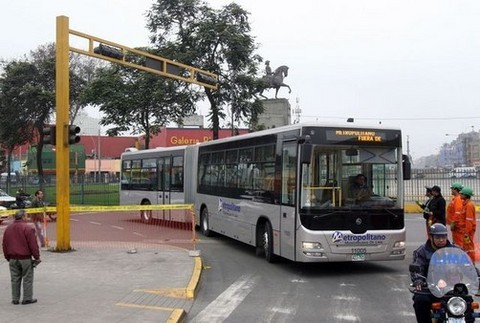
[(409, 64)]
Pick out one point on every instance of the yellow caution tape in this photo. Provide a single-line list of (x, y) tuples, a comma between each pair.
[(99, 208)]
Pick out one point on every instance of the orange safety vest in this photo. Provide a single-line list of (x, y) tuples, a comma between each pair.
[(467, 226), (454, 209)]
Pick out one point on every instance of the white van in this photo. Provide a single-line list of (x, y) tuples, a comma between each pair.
[(463, 172)]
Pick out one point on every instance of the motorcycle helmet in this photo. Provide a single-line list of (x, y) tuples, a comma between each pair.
[(438, 229), (467, 191), (457, 186)]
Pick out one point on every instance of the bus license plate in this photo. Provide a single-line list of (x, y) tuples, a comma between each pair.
[(358, 254)]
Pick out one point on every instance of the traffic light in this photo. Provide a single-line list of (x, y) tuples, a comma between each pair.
[(73, 137), (49, 135), (108, 51), (207, 79)]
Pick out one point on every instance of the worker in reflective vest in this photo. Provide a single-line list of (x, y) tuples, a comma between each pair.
[(454, 211), (467, 224)]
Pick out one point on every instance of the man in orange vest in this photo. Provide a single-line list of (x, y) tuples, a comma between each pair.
[(466, 224), (454, 210)]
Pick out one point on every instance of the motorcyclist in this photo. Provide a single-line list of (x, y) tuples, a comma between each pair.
[(422, 302)]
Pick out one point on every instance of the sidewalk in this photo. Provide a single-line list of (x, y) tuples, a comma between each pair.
[(107, 285)]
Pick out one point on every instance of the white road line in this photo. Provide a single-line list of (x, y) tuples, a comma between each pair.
[(96, 223), (225, 303), (347, 317), (119, 228), (139, 234), (75, 220), (346, 298)]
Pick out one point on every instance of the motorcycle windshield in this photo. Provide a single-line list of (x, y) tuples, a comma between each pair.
[(448, 267)]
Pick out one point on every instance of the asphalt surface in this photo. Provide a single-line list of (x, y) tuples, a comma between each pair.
[(94, 283)]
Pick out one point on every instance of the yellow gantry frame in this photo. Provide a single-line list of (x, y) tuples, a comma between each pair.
[(63, 108)]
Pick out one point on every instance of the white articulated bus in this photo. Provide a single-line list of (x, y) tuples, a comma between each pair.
[(290, 191)]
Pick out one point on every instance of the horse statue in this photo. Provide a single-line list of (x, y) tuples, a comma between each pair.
[(274, 81)]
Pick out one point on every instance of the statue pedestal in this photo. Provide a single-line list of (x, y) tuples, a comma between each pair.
[(276, 113)]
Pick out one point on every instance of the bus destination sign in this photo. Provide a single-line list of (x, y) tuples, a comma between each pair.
[(356, 135)]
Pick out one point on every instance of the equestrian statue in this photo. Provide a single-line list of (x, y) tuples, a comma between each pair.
[(272, 80)]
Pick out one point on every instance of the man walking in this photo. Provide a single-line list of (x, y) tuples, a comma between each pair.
[(20, 249)]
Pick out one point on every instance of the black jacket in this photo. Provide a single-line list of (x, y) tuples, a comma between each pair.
[(422, 257), (438, 207)]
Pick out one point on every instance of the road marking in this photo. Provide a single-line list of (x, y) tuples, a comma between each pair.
[(347, 285), (225, 303), (96, 223), (156, 308), (119, 228), (350, 318), (301, 281), (346, 298), (169, 292), (139, 234)]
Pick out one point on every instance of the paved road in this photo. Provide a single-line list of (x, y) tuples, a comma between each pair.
[(121, 271)]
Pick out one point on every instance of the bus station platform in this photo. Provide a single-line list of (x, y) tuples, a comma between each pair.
[(97, 284)]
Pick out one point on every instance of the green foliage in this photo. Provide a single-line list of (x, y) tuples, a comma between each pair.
[(215, 40), (139, 102), (27, 97)]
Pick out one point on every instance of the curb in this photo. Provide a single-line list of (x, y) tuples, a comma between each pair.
[(179, 315), (193, 284)]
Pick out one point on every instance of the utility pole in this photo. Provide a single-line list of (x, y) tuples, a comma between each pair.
[(99, 157), (67, 135)]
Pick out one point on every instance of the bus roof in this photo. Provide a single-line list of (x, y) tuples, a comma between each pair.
[(294, 127)]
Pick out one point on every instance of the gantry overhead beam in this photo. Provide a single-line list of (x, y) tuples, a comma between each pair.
[(115, 53), (120, 54)]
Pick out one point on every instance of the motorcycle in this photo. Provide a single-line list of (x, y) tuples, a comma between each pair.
[(452, 278)]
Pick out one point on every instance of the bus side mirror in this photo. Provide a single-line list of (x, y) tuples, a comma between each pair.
[(306, 153), (406, 167)]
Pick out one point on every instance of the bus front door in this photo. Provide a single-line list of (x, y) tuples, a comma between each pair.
[(288, 200), (164, 165)]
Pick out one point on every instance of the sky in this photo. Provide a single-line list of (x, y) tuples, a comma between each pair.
[(413, 65)]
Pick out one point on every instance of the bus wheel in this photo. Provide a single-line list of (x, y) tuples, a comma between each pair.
[(204, 223), (267, 242), (146, 215)]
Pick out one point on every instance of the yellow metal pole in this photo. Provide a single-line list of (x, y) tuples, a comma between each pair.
[(62, 149)]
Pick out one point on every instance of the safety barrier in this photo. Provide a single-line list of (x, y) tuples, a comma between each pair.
[(121, 226)]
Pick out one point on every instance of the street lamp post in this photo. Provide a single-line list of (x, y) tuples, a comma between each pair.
[(99, 157)]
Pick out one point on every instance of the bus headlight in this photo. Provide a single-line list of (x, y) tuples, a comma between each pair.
[(399, 244), (311, 245), (456, 305)]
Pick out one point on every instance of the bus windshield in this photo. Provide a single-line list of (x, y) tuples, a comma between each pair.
[(350, 178)]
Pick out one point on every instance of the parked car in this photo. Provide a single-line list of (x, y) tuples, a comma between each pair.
[(6, 200), (463, 172)]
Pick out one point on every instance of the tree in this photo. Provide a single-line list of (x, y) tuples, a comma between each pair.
[(139, 102), (21, 94), (214, 40), (28, 99), (82, 73)]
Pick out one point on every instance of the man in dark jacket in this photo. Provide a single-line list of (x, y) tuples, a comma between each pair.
[(20, 249), (422, 302), (437, 207)]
